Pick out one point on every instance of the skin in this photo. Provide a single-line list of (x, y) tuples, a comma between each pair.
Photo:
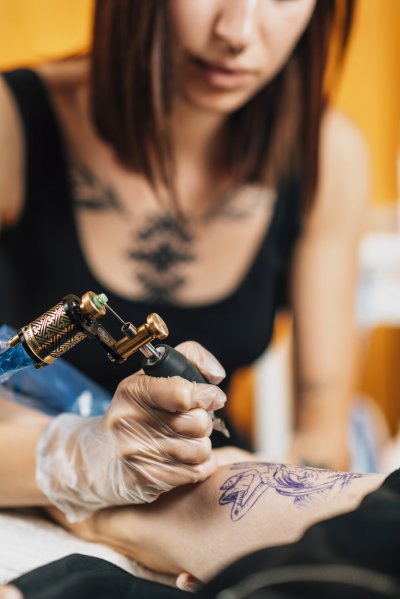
[(168, 536), (323, 290), (9, 591), (244, 34), (251, 36), (153, 437)]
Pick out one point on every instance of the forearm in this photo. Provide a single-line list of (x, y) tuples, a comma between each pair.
[(239, 509), (323, 404), (323, 399), (325, 345), (323, 288), (20, 430), (322, 411)]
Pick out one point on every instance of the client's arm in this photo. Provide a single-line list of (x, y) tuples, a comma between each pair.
[(239, 509), (9, 591)]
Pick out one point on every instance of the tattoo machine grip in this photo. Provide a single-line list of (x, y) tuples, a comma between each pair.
[(172, 363)]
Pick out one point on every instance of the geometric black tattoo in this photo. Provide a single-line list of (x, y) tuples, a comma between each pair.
[(89, 193), (160, 247)]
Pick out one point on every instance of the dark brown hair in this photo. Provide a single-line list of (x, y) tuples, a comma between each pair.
[(275, 135)]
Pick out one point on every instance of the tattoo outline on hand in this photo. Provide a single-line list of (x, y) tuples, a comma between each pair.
[(303, 484)]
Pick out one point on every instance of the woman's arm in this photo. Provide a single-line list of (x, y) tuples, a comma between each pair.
[(323, 293), (20, 429), (12, 158), (239, 509), (153, 437)]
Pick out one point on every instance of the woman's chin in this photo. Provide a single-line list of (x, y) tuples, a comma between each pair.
[(216, 102)]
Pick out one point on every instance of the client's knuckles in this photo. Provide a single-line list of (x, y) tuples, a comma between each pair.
[(182, 474), (10, 592), (203, 471)]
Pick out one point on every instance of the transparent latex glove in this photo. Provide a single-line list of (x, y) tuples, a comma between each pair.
[(153, 437)]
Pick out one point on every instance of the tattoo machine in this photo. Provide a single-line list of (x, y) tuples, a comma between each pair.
[(74, 319)]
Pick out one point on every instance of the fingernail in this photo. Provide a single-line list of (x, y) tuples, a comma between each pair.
[(210, 396), (10, 592), (216, 370), (186, 582), (219, 400)]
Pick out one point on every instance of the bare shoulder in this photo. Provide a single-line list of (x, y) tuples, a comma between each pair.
[(65, 76), (63, 80), (67, 85), (344, 171), (342, 141), (12, 157)]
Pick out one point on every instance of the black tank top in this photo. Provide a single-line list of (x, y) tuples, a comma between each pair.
[(41, 260)]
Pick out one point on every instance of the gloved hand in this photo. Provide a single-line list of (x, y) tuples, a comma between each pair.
[(153, 437)]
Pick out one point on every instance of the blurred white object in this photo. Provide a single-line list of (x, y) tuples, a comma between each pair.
[(378, 299), (390, 457), (29, 540), (273, 379)]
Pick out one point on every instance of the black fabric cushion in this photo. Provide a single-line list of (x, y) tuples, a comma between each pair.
[(83, 577)]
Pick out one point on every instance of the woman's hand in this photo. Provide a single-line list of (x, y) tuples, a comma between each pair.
[(153, 438)]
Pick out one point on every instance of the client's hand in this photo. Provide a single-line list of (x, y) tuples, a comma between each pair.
[(153, 438), (199, 529), (10, 592)]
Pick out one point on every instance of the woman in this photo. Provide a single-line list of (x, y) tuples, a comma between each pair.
[(174, 169)]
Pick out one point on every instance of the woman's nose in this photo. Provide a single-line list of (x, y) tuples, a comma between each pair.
[(235, 23)]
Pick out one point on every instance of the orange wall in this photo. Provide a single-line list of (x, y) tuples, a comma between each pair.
[(370, 88), (32, 31)]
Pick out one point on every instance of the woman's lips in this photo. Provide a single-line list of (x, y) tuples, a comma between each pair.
[(220, 76)]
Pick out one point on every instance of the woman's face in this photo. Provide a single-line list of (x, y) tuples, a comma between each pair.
[(229, 49)]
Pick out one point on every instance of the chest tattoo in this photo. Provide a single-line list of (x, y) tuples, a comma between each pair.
[(163, 244), (159, 249), (91, 194), (156, 250), (241, 203)]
